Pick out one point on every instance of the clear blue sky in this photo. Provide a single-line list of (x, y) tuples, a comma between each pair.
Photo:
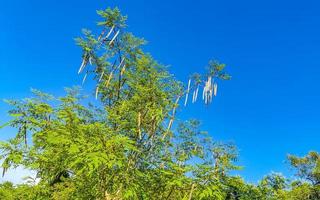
[(272, 49)]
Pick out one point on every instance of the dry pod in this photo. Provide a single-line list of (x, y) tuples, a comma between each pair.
[(123, 69), (101, 76), (187, 94), (114, 37), (97, 92), (215, 89), (83, 64), (109, 79), (84, 78), (109, 33)]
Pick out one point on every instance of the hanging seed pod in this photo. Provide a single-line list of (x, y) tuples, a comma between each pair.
[(209, 90), (123, 69), (187, 94), (176, 103), (83, 64), (168, 129), (25, 133), (209, 80), (204, 92), (84, 78), (170, 124), (120, 63), (215, 89), (101, 76), (186, 100), (4, 171), (172, 117), (210, 93), (193, 96), (90, 60), (97, 92), (197, 91), (206, 98), (109, 33), (109, 79), (114, 37)]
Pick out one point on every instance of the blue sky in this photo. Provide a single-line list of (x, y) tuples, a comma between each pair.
[(272, 48)]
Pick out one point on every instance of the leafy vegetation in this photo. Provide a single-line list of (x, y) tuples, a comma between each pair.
[(127, 143)]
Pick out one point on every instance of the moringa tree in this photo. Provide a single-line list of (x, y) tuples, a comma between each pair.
[(127, 146), (127, 143)]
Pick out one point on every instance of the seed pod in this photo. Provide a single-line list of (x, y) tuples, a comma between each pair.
[(101, 76), (197, 91), (187, 94), (207, 90), (83, 64), (210, 94), (109, 79), (215, 89), (193, 96), (206, 98), (90, 60), (120, 63), (97, 91), (172, 117), (170, 124), (84, 78), (209, 80), (114, 37), (203, 92), (123, 70), (109, 33)]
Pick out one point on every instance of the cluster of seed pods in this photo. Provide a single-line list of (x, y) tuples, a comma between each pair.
[(210, 90), (87, 59)]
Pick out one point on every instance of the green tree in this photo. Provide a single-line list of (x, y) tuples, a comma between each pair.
[(273, 186), (127, 143), (127, 146), (308, 171)]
